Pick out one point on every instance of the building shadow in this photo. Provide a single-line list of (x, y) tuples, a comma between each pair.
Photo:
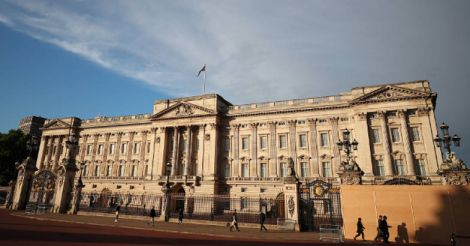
[(452, 217), (402, 234)]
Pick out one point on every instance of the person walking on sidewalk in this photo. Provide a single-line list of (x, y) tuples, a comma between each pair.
[(152, 215), (384, 228), (180, 216), (379, 230), (117, 213), (262, 218), (360, 229), (234, 223)]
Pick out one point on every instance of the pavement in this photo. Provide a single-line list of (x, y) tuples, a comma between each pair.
[(194, 233)]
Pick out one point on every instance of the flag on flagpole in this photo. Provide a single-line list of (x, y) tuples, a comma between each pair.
[(203, 69)]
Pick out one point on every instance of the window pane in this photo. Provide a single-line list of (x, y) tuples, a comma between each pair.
[(324, 139), (303, 169), (303, 140), (283, 169), (264, 170), (415, 134), (263, 142), (395, 135), (399, 167), (245, 170), (282, 141), (375, 136), (245, 143), (379, 168), (227, 144), (326, 169), (227, 170)]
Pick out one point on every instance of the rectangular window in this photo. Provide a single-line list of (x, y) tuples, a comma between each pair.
[(108, 170), (243, 203), (399, 167), (395, 135), (415, 134), (227, 144), (346, 136), (245, 143), (283, 169), (264, 170), (85, 170), (148, 147), (89, 149), (326, 169), (112, 148), (375, 136), (263, 142), (121, 171), (303, 140), (134, 171), (420, 167), (97, 171), (136, 148), (324, 139), (245, 171), (379, 168), (123, 148), (100, 149), (303, 169), (146, 171), (227, 170), (282, 141)]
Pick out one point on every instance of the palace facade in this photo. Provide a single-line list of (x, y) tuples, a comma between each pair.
[(209, 146)]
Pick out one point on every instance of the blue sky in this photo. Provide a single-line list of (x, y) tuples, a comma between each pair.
[(89, 58)]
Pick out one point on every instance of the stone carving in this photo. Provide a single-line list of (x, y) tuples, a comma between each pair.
[(350, 172), (184, 110), (454, 170), (291, 206)]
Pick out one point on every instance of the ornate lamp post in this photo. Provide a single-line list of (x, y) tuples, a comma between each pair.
[(349, 172), (166, 187), (454, 170)]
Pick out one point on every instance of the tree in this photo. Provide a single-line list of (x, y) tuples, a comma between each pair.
[(12, 149)]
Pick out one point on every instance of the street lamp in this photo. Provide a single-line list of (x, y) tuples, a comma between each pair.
[(82, 166), (347, 145), (168, 172), (446, 139)]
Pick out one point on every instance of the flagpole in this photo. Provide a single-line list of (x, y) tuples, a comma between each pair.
[(204, 83)]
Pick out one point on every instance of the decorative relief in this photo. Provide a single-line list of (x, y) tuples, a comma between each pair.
[(184, 110), (291, 206)]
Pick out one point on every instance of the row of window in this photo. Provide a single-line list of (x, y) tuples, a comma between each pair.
[(282, 141), (112, 148), (283, 168), (395, 135), (109, 168), (399, 168)]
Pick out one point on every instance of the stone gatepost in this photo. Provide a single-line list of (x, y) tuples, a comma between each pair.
[(11, 192), (291, 197), (165, 211), (23, 184), (64, 186)]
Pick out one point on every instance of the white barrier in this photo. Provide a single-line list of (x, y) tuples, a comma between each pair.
[(286, 224), (332, 233)]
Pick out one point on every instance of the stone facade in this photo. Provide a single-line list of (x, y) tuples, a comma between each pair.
[(215, 147), (32, 125)]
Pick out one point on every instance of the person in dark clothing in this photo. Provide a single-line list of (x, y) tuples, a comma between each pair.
[(152, 215), (379, 230), (360, 229), (117, 213), (180, 216), (234, 223), (384, 228), (262, 218)]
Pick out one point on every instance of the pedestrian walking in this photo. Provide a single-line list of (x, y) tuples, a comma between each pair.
[(379, 230), (180, 216), (152, 215), (384, 228), (360, 229), (262, 218), (117, 213), (234, 223)]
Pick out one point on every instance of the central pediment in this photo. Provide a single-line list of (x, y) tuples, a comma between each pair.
[(389, 92), (183, 110)]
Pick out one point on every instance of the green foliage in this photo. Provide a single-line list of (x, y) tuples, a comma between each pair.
[(12, 149)]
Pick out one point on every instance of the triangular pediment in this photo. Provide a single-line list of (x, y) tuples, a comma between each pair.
[(183, 110), (390, 93), (56, 124)]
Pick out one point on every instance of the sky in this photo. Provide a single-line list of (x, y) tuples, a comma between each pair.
[(106, 58)]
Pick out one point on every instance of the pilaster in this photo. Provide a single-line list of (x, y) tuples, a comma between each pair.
[(314, 167), (386, 143), (406, 142)]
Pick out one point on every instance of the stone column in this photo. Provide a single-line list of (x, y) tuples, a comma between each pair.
[(143, 150), (406, 142), (236, 149), (314, 167), (50, 144), (153, 137), (127, 169), (41, 152), (388, 166), (83, 150), (272, 149), (254, 148), (363, 150), (293, 144), (187, 150), (57, 153), (335, 137), (106, 147), (211, 167), (175, 151), (429, 130), (201, 150)]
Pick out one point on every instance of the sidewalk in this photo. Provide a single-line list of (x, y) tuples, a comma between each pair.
[(185, 228)]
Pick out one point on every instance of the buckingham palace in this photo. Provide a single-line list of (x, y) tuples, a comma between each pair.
[(204, 145)]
